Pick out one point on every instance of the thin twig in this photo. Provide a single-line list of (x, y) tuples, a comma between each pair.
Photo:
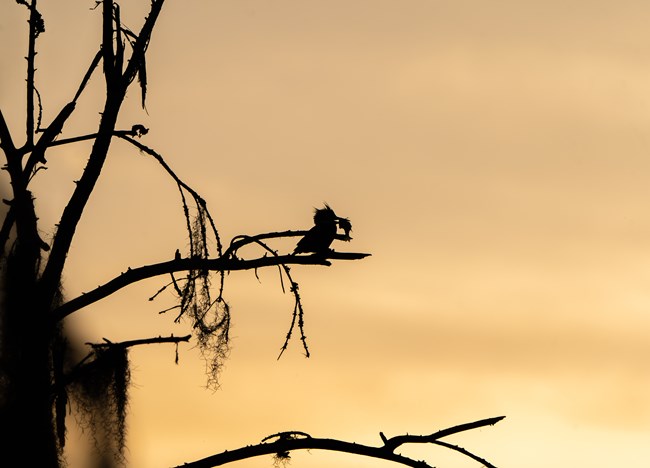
[(465, 452), (93, 65), (394, 442), (240, 241)]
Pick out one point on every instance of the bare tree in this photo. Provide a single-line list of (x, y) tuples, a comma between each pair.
[(40, 374)]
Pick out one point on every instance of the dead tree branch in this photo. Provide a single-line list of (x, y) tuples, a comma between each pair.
[(191, 264), (116, 88), (36, 27), (56, 126), (282, 446), (71, 375), (240, 241), (142, 341), (285, 442), (394, 442)]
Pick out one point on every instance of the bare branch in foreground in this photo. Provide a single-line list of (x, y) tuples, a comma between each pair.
[(287, 441)]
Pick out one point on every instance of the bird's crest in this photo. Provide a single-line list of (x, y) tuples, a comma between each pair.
[(324, 215)]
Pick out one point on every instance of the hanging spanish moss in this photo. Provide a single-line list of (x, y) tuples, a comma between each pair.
[(209, 316), (100, 392)]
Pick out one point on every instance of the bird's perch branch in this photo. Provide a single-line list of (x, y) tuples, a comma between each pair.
[(283, 445), (187, 264)]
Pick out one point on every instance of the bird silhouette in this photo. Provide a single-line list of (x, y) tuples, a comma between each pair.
[(319, 238)]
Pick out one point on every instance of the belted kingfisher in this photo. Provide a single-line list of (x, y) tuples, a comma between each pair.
[(321, 235)]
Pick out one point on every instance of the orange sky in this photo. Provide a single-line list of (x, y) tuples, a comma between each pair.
[(494, 159)]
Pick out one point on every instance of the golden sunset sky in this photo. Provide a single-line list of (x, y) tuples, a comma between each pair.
[(494, 157)]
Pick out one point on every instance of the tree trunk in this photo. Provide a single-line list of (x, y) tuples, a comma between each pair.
[(26, 418), (27, 435)]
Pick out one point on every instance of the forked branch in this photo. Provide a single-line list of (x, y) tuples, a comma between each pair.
[(116, 87), (285, 442)]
